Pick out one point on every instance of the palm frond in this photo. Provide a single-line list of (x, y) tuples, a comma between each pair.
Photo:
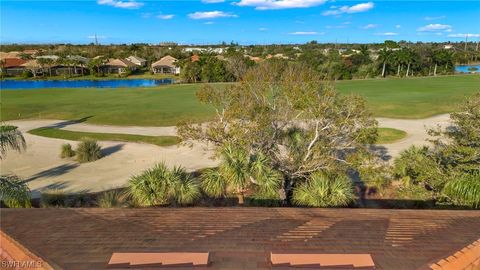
[(11, 139), (14, 193), (464, 191)]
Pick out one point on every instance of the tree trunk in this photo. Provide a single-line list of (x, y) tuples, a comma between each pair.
[(383, 69), (408, 69), (398, 71), (435, 70), (241, 198)]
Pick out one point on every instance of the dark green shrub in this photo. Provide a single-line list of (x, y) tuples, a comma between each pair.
[(464, 191), (88, 151), (26, 74), (54, 198), (66, 151)]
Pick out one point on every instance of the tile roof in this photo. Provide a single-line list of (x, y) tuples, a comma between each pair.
[(243, 238), (13, 62), (168, 61), (120, 63)]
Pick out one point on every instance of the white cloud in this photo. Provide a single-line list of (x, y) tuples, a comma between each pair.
[(305, 33), (464, 35), (96, 37), (212, 1), (208, 23), (435, 27), (370, 26), (120, 4), (263, 29), (210, 15), (279, 4), (165, 16), (398, 26), (349, 9), (435, 18), (387, 34)]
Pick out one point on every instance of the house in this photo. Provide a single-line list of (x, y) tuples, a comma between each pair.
[(137, 60), (118, 66), (12, 66), (195, 58), (448, 47), (34, 66), (166, 65), (241, 238)]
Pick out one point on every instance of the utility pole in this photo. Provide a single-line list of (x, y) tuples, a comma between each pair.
[(96, 40), (466, 40)]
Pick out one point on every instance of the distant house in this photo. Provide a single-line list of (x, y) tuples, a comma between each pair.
[(12, 66), (137, 60), (166, 65), (195, 58), (448, 47), (118, 66)]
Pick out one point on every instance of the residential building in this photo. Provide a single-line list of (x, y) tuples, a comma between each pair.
[(166, 65), (12, 66), (118, 66), (137, 60)]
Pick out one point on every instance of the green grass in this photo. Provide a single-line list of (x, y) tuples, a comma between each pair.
[(167, 105), (413, 97), (390, 135), (77, 136)]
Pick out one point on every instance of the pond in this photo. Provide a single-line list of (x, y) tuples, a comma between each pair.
[(467, 68), (113, 83)]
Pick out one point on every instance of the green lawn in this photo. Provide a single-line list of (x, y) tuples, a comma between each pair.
[(167, 105), (413, 97), (390, 135), (77, 136)]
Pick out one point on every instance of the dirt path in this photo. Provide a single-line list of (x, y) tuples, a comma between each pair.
[(43, 169)]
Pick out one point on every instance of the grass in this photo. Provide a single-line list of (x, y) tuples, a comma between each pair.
[(413, 98), (390, 135), (167, 105), (77, 136)]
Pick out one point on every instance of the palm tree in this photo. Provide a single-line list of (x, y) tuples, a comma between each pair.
[(14, 193), (240, 172), (465, 190), (410, 58), (11, 138), (384, 57), (160, 186), (324, 191)]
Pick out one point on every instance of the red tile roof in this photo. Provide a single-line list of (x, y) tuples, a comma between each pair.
[(13, 62), (243, 238)]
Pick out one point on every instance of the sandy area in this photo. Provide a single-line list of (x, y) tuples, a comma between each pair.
[(42, 167)]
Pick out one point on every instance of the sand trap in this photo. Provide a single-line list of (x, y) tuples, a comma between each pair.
[(42, 167)]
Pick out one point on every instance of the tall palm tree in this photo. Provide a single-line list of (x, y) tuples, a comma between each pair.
[(410, 58), (384, 57), (11, 139)]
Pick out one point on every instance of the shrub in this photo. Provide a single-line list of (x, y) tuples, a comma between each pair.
[(464, 191), (26, 74), (161, 186), (54, 198), (111, 199), (321, 190), (88, 150), (13, 192), (66, 151)]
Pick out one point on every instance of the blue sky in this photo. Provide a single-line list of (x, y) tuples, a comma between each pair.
[(243, 21)]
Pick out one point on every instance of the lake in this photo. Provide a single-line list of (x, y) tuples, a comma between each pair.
[(464, 68), (116, 83)]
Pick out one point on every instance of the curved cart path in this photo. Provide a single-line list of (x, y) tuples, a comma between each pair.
[(41, 165)]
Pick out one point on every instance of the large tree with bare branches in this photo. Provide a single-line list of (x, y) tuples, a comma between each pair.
[(288, 114)]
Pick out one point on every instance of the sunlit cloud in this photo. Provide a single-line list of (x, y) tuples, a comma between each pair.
[(349, 9), (464, 35), (210, 15), (165, 16), (435, 27), (387, 34), (370, 26), (279, 4), (132, 4), (306, 33)]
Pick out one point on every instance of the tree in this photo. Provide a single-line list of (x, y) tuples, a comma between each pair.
[(241, 171), (384, 57), (13, 192), (11, 139), (285, 112)]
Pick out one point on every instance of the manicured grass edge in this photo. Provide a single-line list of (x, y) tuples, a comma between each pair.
[(77, 136), (390, 135)]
